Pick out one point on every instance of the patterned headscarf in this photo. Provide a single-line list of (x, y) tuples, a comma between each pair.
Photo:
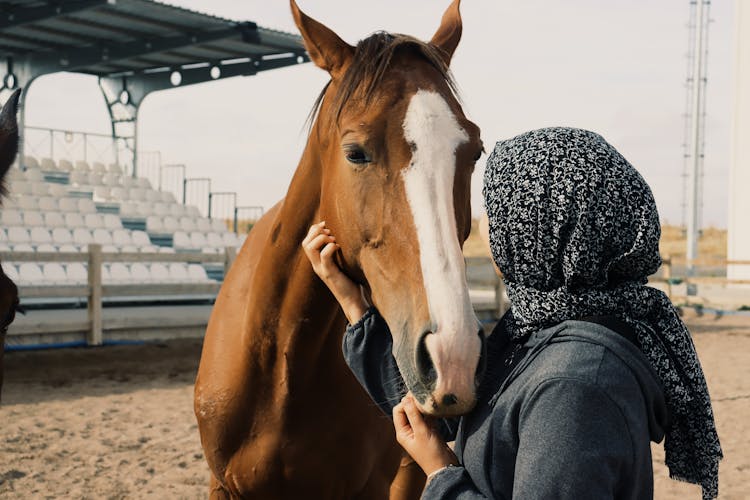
[(575, 231)]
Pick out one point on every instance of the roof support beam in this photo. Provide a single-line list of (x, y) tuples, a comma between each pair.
[(20, 16), (78, 58)]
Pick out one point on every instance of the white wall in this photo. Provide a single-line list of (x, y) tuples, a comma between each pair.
[(739, 177)]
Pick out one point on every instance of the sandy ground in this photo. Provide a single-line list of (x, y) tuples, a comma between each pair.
[(117, 422)]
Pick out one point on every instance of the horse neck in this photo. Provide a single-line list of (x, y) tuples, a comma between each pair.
[(295, 307)]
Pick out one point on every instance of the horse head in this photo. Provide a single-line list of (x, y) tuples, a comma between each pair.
[(8, 151), (397, 154)]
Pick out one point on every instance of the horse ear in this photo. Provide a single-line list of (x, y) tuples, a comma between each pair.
[(449, 33), (8, 136), (326, 49)]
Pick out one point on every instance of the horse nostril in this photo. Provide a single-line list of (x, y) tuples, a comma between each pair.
[(449, 400), (425, 366)]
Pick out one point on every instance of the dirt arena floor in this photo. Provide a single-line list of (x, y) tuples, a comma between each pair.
[(117, 422)]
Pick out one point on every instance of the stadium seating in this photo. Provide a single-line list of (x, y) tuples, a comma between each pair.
[(64, 206)]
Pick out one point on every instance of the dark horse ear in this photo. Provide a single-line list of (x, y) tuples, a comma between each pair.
[(326, 49), (449, 33), (8, 136)]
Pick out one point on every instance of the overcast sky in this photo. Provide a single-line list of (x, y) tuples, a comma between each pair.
[(617, 67)]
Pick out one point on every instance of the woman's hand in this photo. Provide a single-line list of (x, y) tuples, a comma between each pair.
[(418, 435), (320, 247)]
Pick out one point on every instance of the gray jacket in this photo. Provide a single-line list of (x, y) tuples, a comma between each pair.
[(573, 419)]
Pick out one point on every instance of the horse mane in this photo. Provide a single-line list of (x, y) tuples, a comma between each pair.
[(372, 56)]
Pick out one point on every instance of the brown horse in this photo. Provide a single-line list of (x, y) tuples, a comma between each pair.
[(8, 151), (387, 165)]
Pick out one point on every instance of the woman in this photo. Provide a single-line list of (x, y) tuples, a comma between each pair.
[(587, 367)]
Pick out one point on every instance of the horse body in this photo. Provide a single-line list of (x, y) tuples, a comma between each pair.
[(8, 151), (279, 413)]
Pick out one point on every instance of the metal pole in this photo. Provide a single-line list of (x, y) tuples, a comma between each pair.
[(85, 148), (210, 198), (235, 219), (694, 184), (184, 190)]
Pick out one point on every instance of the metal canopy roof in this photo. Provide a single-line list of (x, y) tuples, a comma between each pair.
[(125, 37)]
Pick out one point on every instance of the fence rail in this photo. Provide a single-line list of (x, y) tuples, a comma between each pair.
[(95, 291)]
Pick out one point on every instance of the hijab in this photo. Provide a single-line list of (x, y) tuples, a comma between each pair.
[(575, 230)]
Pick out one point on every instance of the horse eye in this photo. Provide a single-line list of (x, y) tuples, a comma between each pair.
[(357, 155)]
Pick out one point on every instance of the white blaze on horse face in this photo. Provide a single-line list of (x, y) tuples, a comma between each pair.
[(433, 130)]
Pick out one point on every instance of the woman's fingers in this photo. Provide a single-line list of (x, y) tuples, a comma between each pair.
[(317, 243), (315, 230), (416, 420), (326, 255), (401, 423)]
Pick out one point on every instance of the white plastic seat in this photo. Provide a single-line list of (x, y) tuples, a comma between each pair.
[(76, 273), (181, 240), (154, 224), (211, 250), (19, 188), (65, 165), (231, 240), (152, 196), (79, 177), (140, 238), (34, 175), (68, 248), (95, 178), (82, 166), (82, 237), (54, 274), (40, 235), (203, 224), (119, 193), (129, 249), (98, 167), (128, 181), (93, 221), (170, 224), (28, 203), (143, 183), (48, 204), (74, 220), (176, 210), (166, 250), (48, 165), (46, 247), (15, 174), (11, 217), (23, 247), (161, 209), (192, 211), (110, 249), (62, 236), (33, 219), (110, 179), (137, 194), (57, 191), (11, 272), (30, 273), (150, 249), (219, 225), (111, 221), (188, 224), (198, 240), (18, 235), (68, 204), (214, 240), (178, 272), (167, 197), (119, 273), (159, 273), (128, 209), (121, 237), (114, 168), (30, 162), (86, 206), (39, 189), (102, 236), (102, 193), (139, 273), (145, 208), (197, 273)]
